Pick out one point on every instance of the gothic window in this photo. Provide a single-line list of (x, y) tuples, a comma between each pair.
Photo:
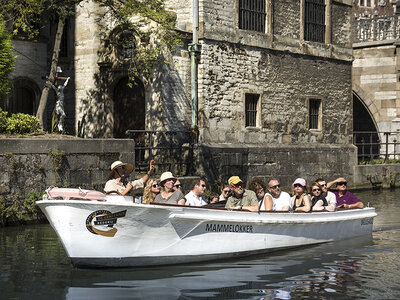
[(251, 107), (25, 97), (314, 27), (252, 15), (126, 44), (314, 112)]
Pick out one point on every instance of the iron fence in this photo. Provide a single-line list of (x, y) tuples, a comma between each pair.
[(374, 145), (376, 29), (171, 150)]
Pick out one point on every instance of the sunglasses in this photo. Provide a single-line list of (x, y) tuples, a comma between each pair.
[(178, 186), (323, 184), (225, 191), (155, 185), (203, 185), (275, 187), (298, 185), (316, 190), (342, 183)]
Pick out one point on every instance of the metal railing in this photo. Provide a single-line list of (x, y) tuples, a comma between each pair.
[(374, 145), (376, 29), (172, 151)]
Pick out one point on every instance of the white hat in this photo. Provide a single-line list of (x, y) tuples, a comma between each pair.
[(116, 164), (167, 175)]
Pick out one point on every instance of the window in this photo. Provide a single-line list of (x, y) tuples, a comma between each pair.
[(252, 15), (314, 114), (64, 40), (251, 105), (314, 27), (366, 3)]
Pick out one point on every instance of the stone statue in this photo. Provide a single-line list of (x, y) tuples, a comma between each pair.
[(60, 102)]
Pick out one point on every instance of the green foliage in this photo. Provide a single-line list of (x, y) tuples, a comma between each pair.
[(18, 123), (6, 61), (19, 211)]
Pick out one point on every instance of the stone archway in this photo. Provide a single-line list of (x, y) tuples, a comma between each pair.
[(365, 130), (25, 96), (129, 107)]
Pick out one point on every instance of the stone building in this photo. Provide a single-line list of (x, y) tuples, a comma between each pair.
[(274, 86), (376, 71)]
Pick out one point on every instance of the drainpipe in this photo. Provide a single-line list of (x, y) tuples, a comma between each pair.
[(194, 50)]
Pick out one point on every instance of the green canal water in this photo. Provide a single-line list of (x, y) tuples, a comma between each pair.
[(33, 265)]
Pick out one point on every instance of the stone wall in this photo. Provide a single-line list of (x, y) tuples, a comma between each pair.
[(219, 162), (28, 165), (285, 82)]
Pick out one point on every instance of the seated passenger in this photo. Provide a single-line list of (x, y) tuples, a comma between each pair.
[(195, 196), (118, 178), (225, 192), (241, 198), (281, 200), (151, 190), (213, 198), (329, 196), (178, 185), (344, 198), (300, 201), (169, 195), (318, 201), (258, 186)]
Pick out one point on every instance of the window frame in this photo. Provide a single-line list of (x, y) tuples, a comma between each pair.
[(257, 116), (265, 16), (310, 101)]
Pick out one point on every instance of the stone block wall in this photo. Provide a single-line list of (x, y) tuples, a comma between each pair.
[(219, 162), (28, 165)]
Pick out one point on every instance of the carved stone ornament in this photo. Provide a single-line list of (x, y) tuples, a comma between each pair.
[(382, 3)]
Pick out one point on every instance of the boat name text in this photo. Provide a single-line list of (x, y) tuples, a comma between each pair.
[(229, 228)]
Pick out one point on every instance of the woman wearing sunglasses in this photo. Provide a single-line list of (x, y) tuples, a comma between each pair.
[(151, 190), (300, 201), (318, 201)]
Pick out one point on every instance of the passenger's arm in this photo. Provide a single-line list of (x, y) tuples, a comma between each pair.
[(181, 202), (251, 207), (319, 206), (268, 202), (147, 176), (354, 205), (330, 183), (307, 204)]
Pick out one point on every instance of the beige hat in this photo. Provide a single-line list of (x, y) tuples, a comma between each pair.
[(116, 164), (165, 176)]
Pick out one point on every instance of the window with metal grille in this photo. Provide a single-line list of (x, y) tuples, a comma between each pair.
[(251, 109), (314, 26), (366, 3), (314, 107), (252, 15)]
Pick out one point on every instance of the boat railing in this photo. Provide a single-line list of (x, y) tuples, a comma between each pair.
[(377, 147), (172, 150)]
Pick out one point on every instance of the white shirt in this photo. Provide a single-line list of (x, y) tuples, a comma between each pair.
[(263, 201), (193, 200), (113, 185), (281, 201)]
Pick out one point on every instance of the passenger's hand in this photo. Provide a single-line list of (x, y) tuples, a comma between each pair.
[(152, 167)]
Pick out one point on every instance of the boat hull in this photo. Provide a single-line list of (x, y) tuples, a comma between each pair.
[(125, 234)]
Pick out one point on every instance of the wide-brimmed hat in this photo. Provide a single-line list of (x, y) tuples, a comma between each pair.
[(166, 176), (116, 164), (234, 180), (300, 181)]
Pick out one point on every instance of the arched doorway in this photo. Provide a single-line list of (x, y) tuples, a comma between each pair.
[(25, 97), (365, 132), (129, 107)]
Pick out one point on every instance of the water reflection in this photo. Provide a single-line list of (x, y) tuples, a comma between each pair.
[(32, 261)]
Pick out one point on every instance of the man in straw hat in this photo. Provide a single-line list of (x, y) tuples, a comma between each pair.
[(241, 198), (119, 174), (169, 194)]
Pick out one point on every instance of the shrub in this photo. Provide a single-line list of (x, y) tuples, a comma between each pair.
[(18, 123)]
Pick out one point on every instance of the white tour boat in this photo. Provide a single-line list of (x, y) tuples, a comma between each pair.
[(112, 231)]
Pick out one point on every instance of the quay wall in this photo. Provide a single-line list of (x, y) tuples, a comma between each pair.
[(30, 165)]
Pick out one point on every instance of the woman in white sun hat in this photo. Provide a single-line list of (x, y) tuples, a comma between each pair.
[(169, 195), (117, 178)]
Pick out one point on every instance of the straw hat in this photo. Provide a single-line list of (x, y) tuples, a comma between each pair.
[(116, 164), (165, 176)]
